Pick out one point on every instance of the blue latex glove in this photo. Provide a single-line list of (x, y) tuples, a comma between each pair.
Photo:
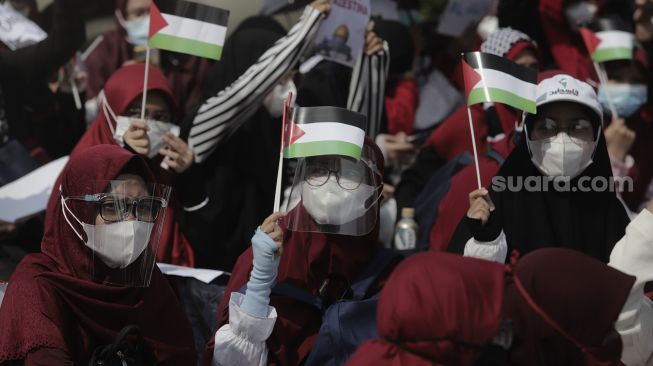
[(264, 273)]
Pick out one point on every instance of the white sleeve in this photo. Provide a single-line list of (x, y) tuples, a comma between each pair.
[(633, 254), (367, 88), (242, 340), (495, 250), (223, 113)]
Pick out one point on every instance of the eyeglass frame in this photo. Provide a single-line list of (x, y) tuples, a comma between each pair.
[(559, 129), (96, 198)]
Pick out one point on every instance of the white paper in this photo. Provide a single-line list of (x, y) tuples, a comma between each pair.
[(347, 18), (17, 31), (460, 14), (28, 195), (204, 275)]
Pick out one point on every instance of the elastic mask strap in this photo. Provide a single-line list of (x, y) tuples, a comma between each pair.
[(547, 319), (65, 208), (107, 110), (378, 196)]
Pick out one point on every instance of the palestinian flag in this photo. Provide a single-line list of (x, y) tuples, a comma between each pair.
[(490, 78), (609, 45), (315, 131), (195, 29)]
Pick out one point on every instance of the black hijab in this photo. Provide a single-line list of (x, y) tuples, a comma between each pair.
[(239, 177), (589, 222)]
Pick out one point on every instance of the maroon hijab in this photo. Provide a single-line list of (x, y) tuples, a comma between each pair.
[(436, 309), (563, 305), (185, 73), (307, 260), (124, 87), (52, 302)]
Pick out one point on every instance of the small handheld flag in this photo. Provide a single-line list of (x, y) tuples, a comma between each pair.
[(315, 131), (193, 28), (608, 45), (490, 78)]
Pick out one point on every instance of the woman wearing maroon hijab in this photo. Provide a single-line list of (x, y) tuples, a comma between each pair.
[(436, 309), (123, 94), (65, 302), (308, 260), (185, 73), (563, 306)]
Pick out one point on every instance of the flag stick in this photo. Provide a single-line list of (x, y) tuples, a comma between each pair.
[(78, 100), (471, 129), (147, 75), (277, 191), (603, 80), (92, 47)]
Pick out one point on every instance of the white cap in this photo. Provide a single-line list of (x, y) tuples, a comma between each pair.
[(565, 88)]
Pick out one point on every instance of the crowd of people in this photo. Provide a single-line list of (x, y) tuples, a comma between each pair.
[(533, 232)]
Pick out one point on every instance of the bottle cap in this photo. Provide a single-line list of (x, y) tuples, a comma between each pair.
[(407, 213)]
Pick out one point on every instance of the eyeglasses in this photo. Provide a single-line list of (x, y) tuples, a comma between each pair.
[(348, 179), (155, 115), (113, 208), (546, 128)]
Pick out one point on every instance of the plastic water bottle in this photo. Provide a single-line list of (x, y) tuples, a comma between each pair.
[(406, 230)]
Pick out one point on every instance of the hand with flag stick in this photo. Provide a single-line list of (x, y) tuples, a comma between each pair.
[(490, 78)]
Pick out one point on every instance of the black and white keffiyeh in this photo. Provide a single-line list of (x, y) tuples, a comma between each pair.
[(501, 41)]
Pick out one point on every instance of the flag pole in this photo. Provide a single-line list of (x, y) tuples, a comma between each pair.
[(603, 81), (145, 79), (471, 129), (277, 191)]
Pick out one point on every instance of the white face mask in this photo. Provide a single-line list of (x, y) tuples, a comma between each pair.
[(274, 101), (118, 244), (561, 156), (330, 204), (580, 13), (155, 133), (137, 29)]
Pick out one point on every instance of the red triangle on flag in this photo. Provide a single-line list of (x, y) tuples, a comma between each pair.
[(592, 41), (471, 78), (157, 22), (292, 132)]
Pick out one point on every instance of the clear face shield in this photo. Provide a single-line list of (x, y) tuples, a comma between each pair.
[(121, 224), (335, 195)]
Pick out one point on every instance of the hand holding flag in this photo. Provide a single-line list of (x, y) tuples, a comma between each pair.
[(490, 78)]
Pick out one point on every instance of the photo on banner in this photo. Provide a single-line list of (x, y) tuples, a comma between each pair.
[(460, 14), (18, 31), (341, 37)]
